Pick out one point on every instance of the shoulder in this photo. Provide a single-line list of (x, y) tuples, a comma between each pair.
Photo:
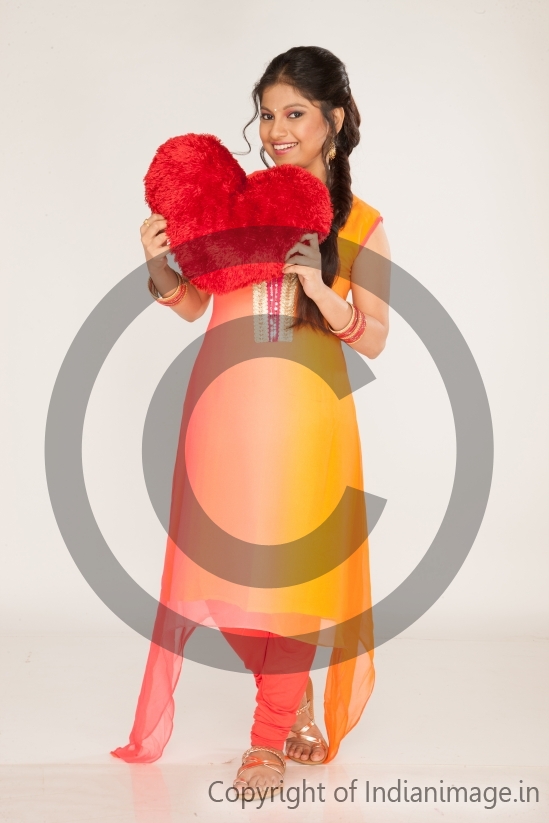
[(364, 209), (362, 221), (373, 232)]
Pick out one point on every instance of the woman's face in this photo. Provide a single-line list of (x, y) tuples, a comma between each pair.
[(293, 129)]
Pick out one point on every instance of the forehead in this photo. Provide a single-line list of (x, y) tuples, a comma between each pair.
[(280, 95)]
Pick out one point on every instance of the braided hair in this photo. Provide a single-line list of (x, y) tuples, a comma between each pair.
[(318, 75)]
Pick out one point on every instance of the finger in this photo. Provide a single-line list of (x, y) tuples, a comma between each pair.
[(160, 242), (300, 247), (304, 261), (313, 237), (154, 222), (149, 235), (290, 252), (155, 225), (157, 247), (301, 271)]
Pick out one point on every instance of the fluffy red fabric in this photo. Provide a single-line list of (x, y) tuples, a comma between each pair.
[(226, 229)]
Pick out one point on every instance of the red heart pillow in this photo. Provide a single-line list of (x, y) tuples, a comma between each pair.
[(226, 229)]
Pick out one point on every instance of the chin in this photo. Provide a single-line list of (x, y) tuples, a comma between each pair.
[(283, 160), (286, 161)]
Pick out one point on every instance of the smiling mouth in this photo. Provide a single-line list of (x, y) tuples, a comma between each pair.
[(282, 147)]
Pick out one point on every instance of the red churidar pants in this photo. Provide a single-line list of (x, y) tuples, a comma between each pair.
[(280, 666)]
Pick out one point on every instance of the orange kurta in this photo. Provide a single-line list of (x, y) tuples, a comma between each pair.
[(266, 453)]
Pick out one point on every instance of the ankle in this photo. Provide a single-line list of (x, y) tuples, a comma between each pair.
[(268, 745)]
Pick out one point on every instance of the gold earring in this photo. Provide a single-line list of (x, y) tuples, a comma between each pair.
[(331, 151)]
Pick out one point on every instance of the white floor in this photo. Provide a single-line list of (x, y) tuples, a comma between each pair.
[(443, 713)]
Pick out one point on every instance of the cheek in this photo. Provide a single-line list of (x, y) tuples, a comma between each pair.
[(312, 134), (264, 128)]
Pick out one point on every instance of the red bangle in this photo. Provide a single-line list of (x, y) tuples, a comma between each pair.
[(354, 330), (359, 331)]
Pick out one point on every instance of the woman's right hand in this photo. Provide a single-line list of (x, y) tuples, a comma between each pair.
[(157, 246), (155, 242)]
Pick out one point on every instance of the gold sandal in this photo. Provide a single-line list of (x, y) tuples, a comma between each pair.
[(299, 736), (249, 762)]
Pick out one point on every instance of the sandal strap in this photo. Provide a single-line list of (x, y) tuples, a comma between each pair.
[(317, 741), (314, 740), (304, 708), (258, 761), (306, 728), (301, 732), (279, 756), (309, 738)]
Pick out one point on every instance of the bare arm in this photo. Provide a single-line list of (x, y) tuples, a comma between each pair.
[(372, 270), (369, 269), (153, 238)]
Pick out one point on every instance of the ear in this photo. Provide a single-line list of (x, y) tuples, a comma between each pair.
[(339, 116)]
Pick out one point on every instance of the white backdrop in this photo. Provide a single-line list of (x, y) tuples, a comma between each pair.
[(453, 154)]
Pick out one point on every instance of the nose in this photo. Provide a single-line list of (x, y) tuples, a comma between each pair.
[(278, 129)]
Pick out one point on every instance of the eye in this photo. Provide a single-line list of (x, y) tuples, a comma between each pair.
[(265, 115), (297, 114)]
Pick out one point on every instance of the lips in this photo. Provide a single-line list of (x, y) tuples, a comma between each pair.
[(282, 148)]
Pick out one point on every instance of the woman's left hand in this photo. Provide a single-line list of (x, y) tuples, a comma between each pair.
[(306, 261)]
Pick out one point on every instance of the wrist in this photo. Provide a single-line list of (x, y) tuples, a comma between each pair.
[(171, 297), (157, 267), (324, 293)]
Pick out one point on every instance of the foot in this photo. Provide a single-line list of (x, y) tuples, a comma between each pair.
[(297, 747), (259, 776)]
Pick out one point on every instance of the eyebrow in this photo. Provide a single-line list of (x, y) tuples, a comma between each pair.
[(289, 106)]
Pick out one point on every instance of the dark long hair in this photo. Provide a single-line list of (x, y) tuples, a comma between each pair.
[(319, 76)]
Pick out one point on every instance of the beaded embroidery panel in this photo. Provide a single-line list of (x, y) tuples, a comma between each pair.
[(273, 308)]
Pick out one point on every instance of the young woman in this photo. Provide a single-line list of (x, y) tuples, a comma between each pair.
[(270, 450)]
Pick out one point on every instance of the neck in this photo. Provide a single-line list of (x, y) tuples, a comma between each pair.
[(317, 169)]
